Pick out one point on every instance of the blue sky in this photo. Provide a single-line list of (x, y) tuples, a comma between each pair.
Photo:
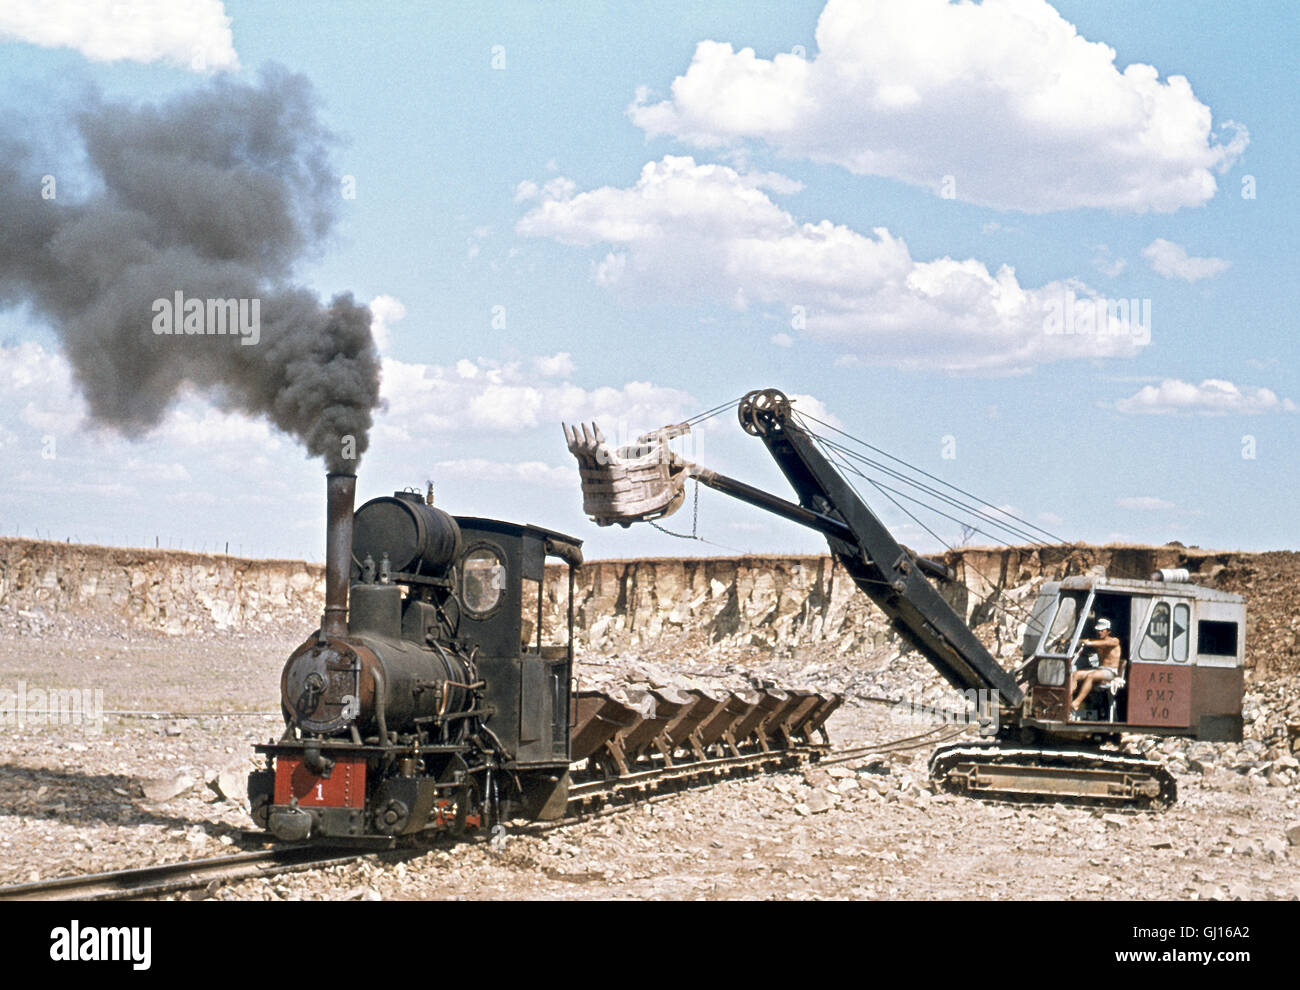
[(581, 210)]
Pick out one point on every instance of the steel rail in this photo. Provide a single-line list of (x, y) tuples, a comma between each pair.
[(897, 746), (168, 878)]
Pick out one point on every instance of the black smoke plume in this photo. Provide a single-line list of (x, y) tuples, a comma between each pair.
[(215, 194)]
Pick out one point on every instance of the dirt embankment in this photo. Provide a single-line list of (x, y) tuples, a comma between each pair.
[(776, 603)]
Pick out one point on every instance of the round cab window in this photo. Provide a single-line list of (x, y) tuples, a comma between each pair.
[(484, 580)]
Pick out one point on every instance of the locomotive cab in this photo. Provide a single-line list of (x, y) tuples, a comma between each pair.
[(522, 652), (1182, 649)]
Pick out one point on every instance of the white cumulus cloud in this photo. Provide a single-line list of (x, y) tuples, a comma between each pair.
[(707, 232), (525, 472), (192, 34), (1211, 397), (384, 312), (1172, 261), (1005, 97), (495, 397), (554, 365)]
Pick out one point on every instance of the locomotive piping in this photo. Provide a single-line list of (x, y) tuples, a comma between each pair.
[(381, 701), (340, 496)]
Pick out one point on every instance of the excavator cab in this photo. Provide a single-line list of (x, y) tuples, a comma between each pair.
[(1181, 655)]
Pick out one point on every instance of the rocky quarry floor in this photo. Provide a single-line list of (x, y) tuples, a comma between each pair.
[(146, 789)]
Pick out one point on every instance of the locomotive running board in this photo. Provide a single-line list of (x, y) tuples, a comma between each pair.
[(1074, 776)]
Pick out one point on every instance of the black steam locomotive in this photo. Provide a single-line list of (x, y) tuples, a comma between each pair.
[(432, 698)]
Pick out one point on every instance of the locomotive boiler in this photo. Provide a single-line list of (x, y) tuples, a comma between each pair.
[(432, 695)]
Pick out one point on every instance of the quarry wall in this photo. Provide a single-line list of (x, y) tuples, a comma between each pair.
[(784, 603)]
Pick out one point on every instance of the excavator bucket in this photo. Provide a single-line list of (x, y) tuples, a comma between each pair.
[(633, 483)]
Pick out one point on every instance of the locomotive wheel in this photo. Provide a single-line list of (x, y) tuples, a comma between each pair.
[(261, 810)]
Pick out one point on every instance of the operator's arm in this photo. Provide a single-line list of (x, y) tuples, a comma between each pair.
[(1107, 643), (1108, 650)]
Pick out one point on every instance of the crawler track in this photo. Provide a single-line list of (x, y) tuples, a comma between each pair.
[(1007, 773)]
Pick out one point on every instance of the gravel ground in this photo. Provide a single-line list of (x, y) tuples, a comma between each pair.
[(149, 790)]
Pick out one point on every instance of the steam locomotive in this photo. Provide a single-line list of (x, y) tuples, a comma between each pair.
[(429, 697)]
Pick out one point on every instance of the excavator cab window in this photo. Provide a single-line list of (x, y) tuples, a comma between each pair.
[(1182, 626), (1155, 642), (1216, 638), (1063, 630)]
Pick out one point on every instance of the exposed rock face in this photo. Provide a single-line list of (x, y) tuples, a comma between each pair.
[(752, 601), (794, 602), (45, 585), (773, 603)]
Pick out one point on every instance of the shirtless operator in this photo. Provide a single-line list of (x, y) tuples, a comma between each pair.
[(1107, 646)]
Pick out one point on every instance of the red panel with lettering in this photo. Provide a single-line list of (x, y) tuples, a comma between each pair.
[(345, 787), (1159, 694)]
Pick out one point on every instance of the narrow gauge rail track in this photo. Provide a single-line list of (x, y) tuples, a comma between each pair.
[(896, 746), (170, 878), (588, 799)]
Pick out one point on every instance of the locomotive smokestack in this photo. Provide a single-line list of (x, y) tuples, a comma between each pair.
[(340, 496)]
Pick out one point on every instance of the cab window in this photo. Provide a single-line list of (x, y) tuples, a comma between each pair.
[(1217, 639), (1155, 641), (1061, 632), (1182, 631), (483, 580)]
